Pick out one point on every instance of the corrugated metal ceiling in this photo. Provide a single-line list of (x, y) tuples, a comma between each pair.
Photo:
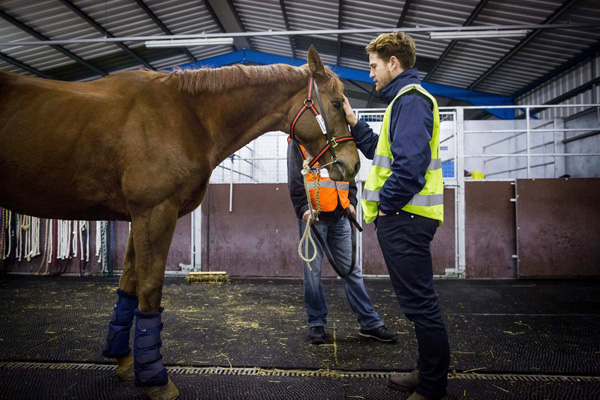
[(501, 66)]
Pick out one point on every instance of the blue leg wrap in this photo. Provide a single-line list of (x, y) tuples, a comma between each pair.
[(119, 327), (147, 360)]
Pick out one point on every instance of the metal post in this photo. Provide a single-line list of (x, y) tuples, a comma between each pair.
[(197, 239), (359, 244), (528, 143), (460, 193), (559, 147), (231, 186)]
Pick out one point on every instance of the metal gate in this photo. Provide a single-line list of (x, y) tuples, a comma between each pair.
[(451, 163)]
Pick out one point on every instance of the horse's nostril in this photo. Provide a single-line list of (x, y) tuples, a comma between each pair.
[(356, 168)]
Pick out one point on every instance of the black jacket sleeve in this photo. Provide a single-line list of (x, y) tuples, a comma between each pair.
[(352, 193), (296, 180)]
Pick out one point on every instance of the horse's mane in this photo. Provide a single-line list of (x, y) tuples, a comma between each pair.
[(213, 80)]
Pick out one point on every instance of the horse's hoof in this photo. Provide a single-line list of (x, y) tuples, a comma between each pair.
[(164, 392), (125, 368)]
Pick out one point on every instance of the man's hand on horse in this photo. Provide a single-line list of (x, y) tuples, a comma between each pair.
[(350, 116)]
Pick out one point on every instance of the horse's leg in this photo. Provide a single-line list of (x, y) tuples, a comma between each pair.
[(119, 327), (152, 231)]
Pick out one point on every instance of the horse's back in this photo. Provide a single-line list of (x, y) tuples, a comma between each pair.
[(60, 148), (83, 150)]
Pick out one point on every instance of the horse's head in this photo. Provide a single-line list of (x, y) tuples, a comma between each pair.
[(320, 125)]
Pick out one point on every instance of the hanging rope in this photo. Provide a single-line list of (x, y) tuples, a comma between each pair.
[(307, 238), (104, 248), (47, 249), (3, 219)]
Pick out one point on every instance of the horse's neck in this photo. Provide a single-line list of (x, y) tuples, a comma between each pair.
[(253, 112)]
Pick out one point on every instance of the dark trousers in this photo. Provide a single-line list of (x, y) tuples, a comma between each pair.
[(405, 242)]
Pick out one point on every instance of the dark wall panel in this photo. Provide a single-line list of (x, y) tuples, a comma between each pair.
[(442, 247), (559, 227), (179, 253), (490, 230), (559, 233), (258, 238), (372, 258)]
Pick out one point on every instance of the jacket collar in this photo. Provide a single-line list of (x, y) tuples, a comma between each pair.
[(391, 90)]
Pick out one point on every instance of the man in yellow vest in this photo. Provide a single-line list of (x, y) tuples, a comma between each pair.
[(404, 195), (336, 200)]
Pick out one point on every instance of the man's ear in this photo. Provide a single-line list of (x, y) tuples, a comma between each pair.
[(394, 64)]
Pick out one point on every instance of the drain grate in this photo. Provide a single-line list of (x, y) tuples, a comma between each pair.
[(257, 371)]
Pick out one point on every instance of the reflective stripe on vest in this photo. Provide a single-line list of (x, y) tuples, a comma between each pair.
[(329, 191), (386, 162), (429, 201), (330, 184)]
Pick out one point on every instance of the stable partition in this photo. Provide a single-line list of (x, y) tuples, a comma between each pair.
[(509, 231), (521, 228)]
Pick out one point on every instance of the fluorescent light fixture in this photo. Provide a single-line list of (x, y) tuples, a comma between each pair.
[(188, 42), (478, 34)]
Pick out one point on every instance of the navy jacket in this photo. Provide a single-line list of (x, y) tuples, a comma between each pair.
[(411, 128)]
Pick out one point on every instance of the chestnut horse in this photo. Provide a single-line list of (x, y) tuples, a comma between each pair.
[(140, 146)]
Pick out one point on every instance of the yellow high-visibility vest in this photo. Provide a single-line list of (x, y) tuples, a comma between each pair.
[(429, 202)]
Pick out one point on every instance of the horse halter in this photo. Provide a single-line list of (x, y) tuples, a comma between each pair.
[(322, 120)]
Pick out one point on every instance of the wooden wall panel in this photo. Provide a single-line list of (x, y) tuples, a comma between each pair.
[(258, 238), (559, 233), (490, 239), (442, 247), (559, 227)]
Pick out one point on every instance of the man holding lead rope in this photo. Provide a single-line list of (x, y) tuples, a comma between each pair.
[(336, 201)]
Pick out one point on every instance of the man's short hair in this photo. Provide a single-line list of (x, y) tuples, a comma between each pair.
[(397, 44)]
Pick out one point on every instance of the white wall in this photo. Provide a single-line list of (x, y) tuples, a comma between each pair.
[(265, 159)]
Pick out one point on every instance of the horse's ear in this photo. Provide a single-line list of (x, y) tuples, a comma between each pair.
[(314, 62)]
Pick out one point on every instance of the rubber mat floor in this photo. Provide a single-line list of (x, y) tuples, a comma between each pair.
[(247, 339)]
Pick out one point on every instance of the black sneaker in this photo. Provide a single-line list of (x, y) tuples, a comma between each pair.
[(380, 333), (317, 334)]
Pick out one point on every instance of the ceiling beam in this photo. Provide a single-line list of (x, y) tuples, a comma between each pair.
[(104, 31), (39, 36), (224, 14), (367, 91), (591, 52), (339, 26), (404, 13), (286, 21), (371, 96), (162, 26), (552, 18), (311, 32), (449, 48), (24, 66), (565, 96)]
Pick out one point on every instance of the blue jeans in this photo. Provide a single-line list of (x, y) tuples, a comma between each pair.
[(337, 235), (405, 243)]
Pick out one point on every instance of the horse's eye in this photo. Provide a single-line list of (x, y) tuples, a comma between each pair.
[(336, 104)]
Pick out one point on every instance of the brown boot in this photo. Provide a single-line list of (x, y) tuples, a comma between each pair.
[(404, 382), (417, 396)]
